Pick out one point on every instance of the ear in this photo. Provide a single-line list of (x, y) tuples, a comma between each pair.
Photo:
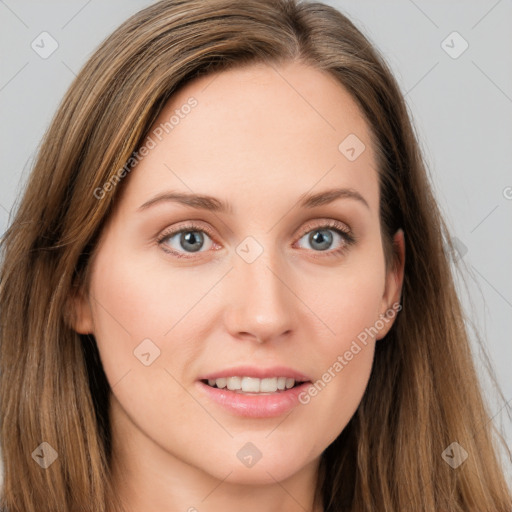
[(393, 288), (79, 313)]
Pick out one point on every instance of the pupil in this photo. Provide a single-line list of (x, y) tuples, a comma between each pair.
[(193, 238), (322, 237)]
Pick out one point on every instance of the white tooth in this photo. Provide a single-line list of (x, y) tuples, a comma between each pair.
[(281, 383), (268, 385), (211, 382), (290, 383), (250, 384), (221, 383), (234, 383)]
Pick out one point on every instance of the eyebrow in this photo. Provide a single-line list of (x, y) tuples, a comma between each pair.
[(205, 202)]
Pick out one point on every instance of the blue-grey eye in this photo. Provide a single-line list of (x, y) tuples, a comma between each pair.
[(191, 240), (322, 239), (187, 240)]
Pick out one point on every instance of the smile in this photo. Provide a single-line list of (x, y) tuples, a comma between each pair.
[(253, 384)]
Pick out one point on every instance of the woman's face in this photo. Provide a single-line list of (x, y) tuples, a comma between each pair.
[(283, 283)]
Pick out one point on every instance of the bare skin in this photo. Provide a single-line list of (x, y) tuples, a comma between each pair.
[(258, 142)]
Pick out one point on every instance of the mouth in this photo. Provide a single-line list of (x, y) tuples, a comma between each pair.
[(253, 385), (264, 393), (254, 391)]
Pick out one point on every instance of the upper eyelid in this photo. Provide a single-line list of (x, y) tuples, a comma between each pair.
[(326, 223), (195, 225)]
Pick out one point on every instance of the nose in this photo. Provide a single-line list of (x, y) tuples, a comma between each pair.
[(260, 306)]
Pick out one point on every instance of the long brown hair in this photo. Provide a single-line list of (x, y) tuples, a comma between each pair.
[(423, 392)]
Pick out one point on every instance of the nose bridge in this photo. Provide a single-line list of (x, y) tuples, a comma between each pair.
[(259, 302)]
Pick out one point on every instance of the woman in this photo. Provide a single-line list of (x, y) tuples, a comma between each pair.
[(226, 284)]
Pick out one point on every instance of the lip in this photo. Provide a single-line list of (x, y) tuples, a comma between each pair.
[(260, 405), (255, 405), (257, 372)]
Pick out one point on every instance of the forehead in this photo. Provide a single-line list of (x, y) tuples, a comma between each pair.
[(260, 131)]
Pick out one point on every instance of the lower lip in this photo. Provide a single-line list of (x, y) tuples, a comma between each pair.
[(255, 405)]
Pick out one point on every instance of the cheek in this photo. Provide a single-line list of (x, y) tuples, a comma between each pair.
[(134, 301), (348, 302), (128, 321), (349, 306)]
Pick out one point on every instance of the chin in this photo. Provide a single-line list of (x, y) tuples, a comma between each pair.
[(258, 466)]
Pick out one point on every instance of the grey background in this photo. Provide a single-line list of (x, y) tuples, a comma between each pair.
[(461, 108)]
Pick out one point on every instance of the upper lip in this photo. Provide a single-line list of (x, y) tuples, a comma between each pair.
[(257, 372)]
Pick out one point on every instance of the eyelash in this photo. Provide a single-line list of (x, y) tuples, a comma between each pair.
[(332, 225)]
